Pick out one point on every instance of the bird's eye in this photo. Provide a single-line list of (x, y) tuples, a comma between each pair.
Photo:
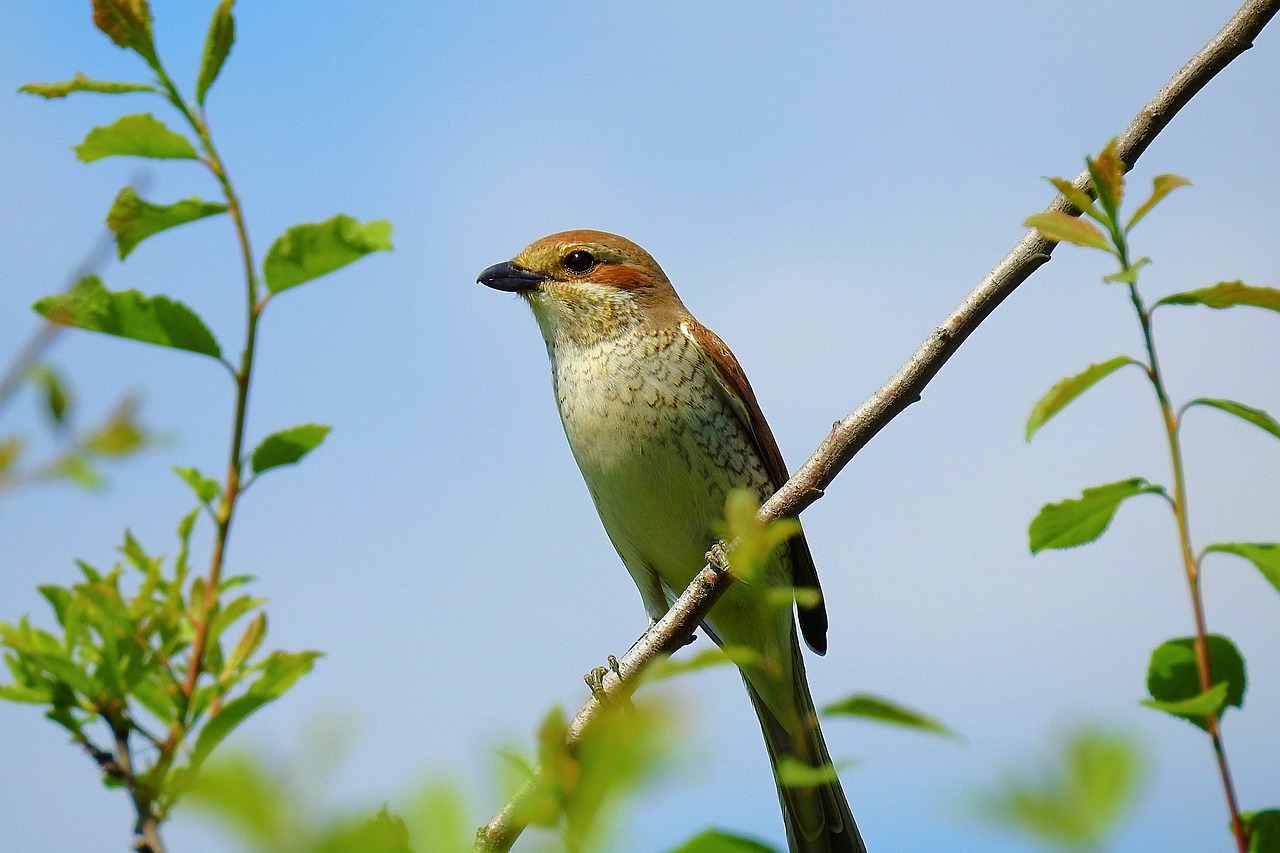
[(579, 262)]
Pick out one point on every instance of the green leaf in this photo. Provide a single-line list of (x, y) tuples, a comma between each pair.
[(1070, 388), (1080, 520), (1195, 709), (752, 544), (1075, 802), (279, 672), (1128, 275), (20, 693), (247, 645), (128, 23), (1257, 417), (1264, 830), (1173, 679), (1064, 228), (1227, 294), (315, 249), (68, 672), (794, 773), (81, 83), (217, 44), (128, 314), (57, 401), (875, 708), (1266, 556), (205, 488), (139, 135), (1082, 201), (1162, 185), (716, 841), (741, 656), (288, 446), (1107, 173), (133, 219)]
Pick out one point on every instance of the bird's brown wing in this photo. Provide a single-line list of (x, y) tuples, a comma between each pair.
[(804, 574)]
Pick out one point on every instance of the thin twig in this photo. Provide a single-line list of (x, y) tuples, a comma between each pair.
[(852, 433)]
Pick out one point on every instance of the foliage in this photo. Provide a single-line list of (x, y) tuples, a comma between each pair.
[(1194, 678), (152, 664), (1073, 802)]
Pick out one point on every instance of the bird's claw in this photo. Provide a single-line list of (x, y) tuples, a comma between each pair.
[(717, 558), (595, 683)]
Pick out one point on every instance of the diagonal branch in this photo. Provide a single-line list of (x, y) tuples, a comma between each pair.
[(851, 434)]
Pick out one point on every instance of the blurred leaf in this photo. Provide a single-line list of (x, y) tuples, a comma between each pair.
[(1162, 185), (1129, 274), (439, 821), (1070, 388), (876, 708), (1174, 677), (751, 544), (57, 400), (794, 773), (128, 314), (716, 841), (206, 489), (1074, 803), (138, 135), (81, 83), (288, 446), (217, 44), (1064, 228), (242, 793), (1264, 830), (128, 23), (1107, 173), (1227, 294), (120, 434), (133, 219), (10, 450), (248, 644), (1080, 520), (1264, 555), (315, 249), (663, 668), (19, 693), (1257, 417), (1082, 201), (279, 672)]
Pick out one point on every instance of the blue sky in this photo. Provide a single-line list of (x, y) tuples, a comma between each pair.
[(821, 188)]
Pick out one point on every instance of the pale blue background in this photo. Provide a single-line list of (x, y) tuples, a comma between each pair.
[(822, 186)]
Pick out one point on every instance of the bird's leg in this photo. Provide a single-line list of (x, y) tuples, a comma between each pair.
[(595, 683)]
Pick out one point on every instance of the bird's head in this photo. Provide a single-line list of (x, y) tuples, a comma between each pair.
[(588, 286)]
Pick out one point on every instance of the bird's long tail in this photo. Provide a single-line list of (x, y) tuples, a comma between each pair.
[(817, 816)]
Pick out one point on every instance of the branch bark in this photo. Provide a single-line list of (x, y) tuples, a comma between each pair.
[(852, 433)]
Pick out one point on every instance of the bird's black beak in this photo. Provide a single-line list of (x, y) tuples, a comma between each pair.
[(509, 277)]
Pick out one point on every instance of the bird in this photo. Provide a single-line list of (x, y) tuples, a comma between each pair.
[(664, 425)]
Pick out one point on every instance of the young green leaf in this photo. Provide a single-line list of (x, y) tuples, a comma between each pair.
[(287, 446), (279, 672), (247, 645), (1063, 228), (81, 83), (1070, 388), (1257, 417), (1080, 520), (1266, 556), (1264, 830), (309, 251), (217, 44), (876, 708), (1075, 804), (138, 135), (1107, 173), (128, 23), (1082, 200), (57, 400), (1173, 679), (1227, 294), (716, 841), (751, 543), (133, 219), (128, 314), (206, 489), (1162, 185), (794, 773)]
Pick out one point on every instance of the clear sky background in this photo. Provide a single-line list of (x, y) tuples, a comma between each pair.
[(822, 187)]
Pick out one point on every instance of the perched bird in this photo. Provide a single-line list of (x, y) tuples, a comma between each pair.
[(663, 426)]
